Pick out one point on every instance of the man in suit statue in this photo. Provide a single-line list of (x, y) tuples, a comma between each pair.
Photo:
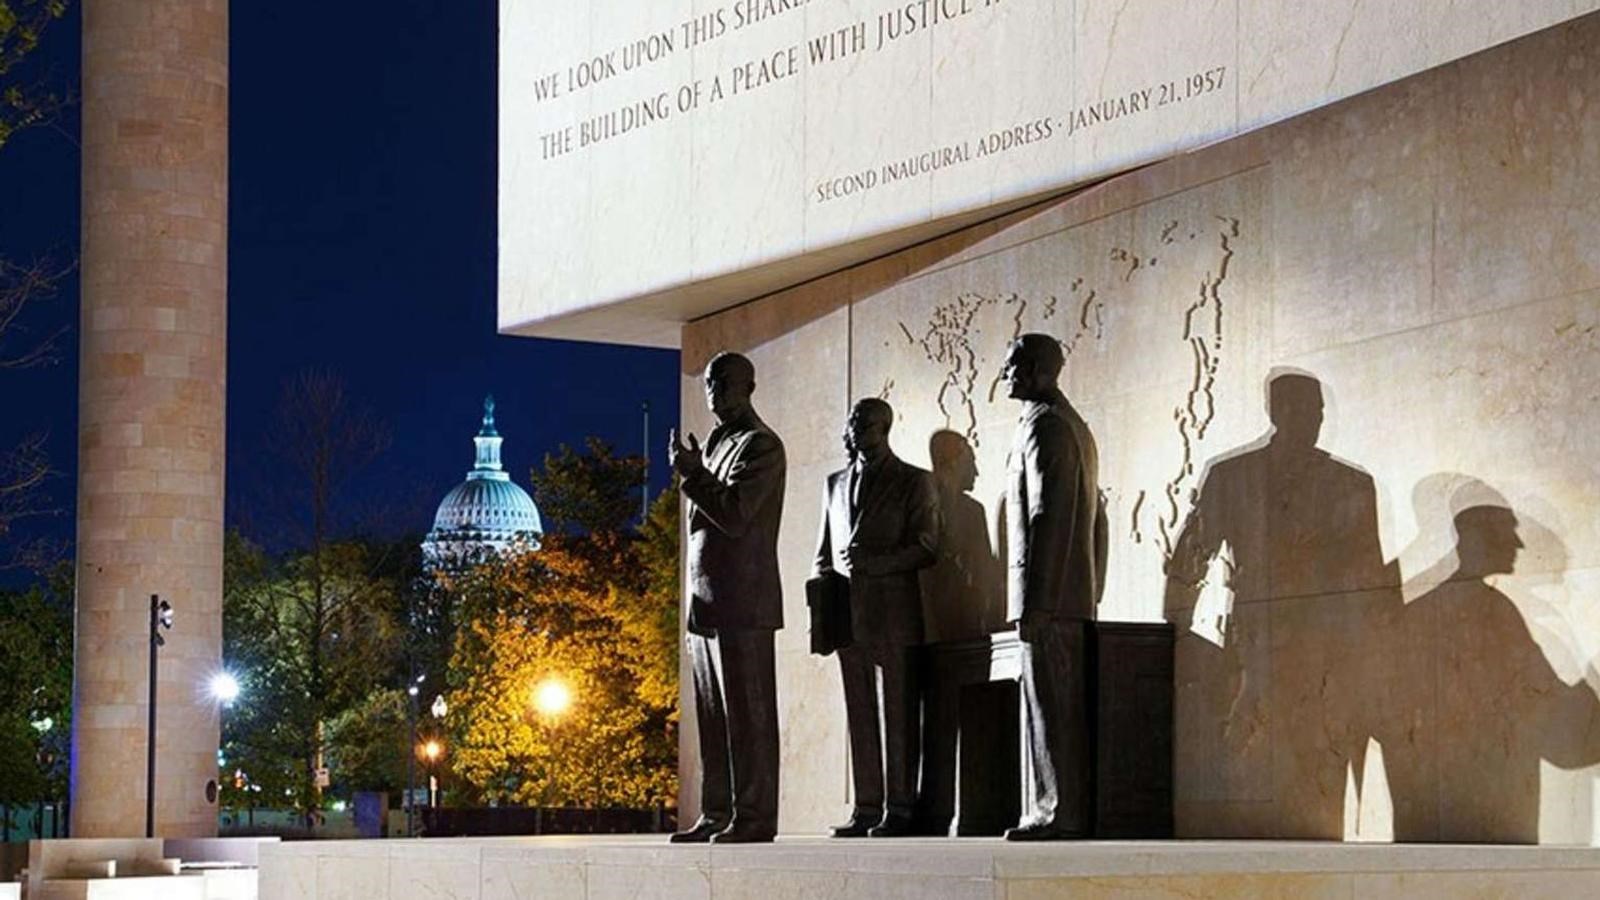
[(1054, 576), (735, 501), (880, 524)]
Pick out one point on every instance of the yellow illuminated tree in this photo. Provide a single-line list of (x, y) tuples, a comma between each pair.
[(592, 613), (575, 614)]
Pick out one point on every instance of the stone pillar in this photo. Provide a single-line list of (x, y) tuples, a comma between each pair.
[(153, 332)]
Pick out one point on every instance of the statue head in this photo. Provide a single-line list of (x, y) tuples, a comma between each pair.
[(867, 431), (1033, 364), (1294, 403), (955, 464), (730, 380), (1486, 541)]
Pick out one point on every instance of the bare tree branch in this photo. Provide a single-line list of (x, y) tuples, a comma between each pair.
[(23, 472), (20, 287)]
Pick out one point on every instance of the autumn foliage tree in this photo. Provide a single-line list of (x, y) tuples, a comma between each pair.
[(594, 610)]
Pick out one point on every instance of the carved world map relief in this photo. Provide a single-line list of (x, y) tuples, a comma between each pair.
[(1162, 300)]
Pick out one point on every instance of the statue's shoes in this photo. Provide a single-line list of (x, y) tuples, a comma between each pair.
[(700, 833), (744, 834), (894, 826), (1041, 831), (858, 826)]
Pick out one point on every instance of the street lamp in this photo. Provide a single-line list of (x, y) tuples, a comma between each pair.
[(440, 708), (411, 759), (160, 620), (552, 697), (433, 750), (224, 688)]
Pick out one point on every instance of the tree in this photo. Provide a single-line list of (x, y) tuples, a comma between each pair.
[(557, 617), (368, 742), (25, 105), (595, 610), (322, 622), (36, 692), (313, 636), (593, 491)]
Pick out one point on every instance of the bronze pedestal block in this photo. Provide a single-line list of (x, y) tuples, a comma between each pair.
[(971, 711)]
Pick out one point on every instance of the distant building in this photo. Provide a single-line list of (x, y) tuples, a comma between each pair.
[(488, 511)]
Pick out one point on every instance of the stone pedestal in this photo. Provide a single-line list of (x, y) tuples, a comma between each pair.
[(583, 867), (151, 407)]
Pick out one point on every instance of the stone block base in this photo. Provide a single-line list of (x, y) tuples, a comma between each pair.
[(591, 868)]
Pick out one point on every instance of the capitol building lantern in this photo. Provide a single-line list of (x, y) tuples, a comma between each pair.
[(486, 513)]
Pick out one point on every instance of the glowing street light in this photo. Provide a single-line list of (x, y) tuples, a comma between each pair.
[(552, 697), (433, 750), (224, 687), (440, 708)]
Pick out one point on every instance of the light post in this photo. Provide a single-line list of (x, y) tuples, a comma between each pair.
[(160, 620), (411, 757), (46, 760), (440, 709)]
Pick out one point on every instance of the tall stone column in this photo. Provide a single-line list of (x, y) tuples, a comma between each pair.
[(151, 392)]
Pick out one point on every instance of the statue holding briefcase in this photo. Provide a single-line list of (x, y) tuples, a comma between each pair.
[(880, 525)]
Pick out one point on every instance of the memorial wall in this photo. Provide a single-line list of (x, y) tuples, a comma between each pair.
[(1344, 372), (662, 160)]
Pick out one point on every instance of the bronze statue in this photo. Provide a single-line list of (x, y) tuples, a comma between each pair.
[(880, 525), (1056, 534), (735, 501)]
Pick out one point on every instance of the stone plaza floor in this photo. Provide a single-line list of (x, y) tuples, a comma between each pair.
[(924, 869)]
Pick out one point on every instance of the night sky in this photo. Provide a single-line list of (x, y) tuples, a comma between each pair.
[(362, 243)]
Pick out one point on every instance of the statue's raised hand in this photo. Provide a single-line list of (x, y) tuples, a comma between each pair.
[(685, 459)]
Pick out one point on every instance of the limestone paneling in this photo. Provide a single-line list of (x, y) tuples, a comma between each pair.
[(1519, 195), (1388, 627)]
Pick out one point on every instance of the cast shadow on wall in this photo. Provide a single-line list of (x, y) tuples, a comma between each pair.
[(1313, 701), (964, 590)]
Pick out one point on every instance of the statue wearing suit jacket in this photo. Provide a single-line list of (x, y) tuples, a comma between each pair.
[(1057, 534), (880, 525), (735, 501)]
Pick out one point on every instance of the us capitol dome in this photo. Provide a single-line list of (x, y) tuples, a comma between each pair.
[(488, 511)]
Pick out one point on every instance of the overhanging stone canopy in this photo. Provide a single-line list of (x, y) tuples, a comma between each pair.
[(661, 162)]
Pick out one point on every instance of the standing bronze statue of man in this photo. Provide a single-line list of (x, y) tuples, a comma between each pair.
[(1053, 585), (735, 501), (880, 525)]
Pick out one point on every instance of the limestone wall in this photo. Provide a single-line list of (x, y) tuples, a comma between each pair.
[(1393, 634)]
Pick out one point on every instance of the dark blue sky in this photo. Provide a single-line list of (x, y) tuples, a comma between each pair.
[(362, 242)]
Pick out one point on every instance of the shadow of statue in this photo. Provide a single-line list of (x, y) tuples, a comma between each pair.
[(1274, 583), (1482, 706), (962, 591)]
